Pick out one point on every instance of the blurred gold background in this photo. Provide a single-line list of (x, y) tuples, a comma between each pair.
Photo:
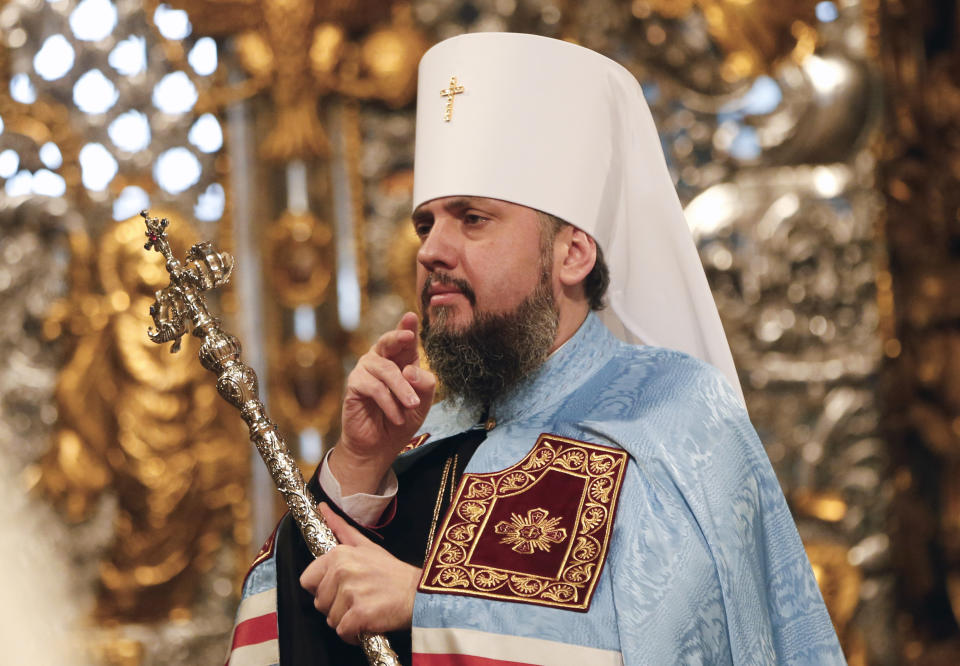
[(816, 148)]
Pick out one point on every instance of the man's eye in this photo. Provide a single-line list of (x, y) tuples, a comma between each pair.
[(474, 218), (422, 230)]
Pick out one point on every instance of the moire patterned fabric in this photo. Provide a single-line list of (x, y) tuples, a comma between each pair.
[(704, 564)]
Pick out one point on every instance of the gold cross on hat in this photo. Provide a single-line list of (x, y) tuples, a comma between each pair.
[(453, 88)]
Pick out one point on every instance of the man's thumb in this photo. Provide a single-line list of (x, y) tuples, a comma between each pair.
[(345, 533)]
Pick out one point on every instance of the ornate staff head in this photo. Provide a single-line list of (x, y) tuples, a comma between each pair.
[(156, 234), (180, 306)]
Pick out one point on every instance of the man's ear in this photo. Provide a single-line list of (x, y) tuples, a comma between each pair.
[(578, 254)]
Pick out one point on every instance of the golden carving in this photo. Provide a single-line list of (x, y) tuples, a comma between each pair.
[(303, 50), (950, 528), (144, 428), (307, 385), (402, 263), (828, 506), (755, 36), (839, 580), (115, 650), (353, 149), (298, 258), (46, 120), (919, 176), (840, 583), (390, 57)]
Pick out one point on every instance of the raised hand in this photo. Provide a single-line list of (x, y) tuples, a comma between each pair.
[(387, 398)]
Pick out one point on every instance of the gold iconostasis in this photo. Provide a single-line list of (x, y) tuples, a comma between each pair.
[(816, 149)]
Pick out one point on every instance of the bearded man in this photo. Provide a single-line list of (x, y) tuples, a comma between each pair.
[(576, 498)]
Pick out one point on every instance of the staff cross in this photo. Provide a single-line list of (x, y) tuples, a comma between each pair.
[(453, 88)]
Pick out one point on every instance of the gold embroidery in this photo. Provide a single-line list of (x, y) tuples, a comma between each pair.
[(480, 489), (525, 586), (461, 532), (415, 442), (540, 458), (586, 549), (600, 463), (600, 489), (560, 593), (536, 531), (514, 482), (579, 573), (592, 518), (265, 552), (487, 549), (572, 459), (451, 462), (451, 554), (454, 577), (489, 579), (472, 511)]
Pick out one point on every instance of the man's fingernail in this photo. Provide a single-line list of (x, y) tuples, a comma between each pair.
[(415, 374)]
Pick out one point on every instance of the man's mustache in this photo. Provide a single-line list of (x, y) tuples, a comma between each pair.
[(442, 278)]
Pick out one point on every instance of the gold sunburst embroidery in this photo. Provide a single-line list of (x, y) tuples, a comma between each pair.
[(535, 532)]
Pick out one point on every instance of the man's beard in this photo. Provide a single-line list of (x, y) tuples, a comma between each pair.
[(494, 352)]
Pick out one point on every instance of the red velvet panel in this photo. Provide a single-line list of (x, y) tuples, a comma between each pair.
[(560, 494)]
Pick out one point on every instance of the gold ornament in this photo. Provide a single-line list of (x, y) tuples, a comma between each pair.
[(755, 36), (402, 263), (300, 51), (453, 88), (299, 258), (307, 387)]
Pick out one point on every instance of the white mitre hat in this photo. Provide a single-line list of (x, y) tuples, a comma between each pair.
[(562, 129)]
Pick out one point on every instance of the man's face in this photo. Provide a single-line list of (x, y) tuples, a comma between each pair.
[(476, 255), (486, 281)]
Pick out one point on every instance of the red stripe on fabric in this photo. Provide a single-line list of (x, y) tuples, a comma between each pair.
[(255, 630), (461, 660)]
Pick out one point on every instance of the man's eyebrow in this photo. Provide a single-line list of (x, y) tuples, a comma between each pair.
[(421, 215), (454, 205), (459, 203)]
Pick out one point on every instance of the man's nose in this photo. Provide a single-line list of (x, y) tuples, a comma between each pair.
[(439, 248)]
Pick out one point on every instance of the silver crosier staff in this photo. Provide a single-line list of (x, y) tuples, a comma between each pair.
[(181, 308)]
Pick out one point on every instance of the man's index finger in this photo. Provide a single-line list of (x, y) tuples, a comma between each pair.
[(396, 342)]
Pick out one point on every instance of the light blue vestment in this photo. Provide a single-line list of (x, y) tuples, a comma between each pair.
[(705, 565)]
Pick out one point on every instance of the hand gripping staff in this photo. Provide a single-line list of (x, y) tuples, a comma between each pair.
[(181, 308)]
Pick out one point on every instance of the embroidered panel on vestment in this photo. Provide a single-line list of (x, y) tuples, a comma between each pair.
[(536, 532)]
